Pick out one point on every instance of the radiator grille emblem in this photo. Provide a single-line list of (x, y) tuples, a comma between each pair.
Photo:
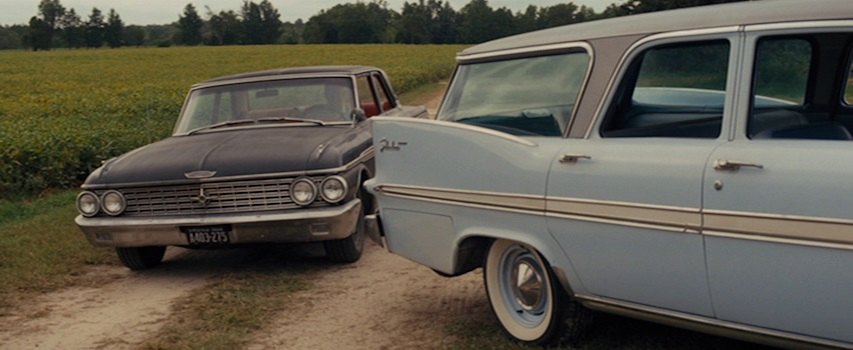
[(199, 174)]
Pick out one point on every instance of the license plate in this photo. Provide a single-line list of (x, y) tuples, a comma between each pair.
[(208, 235)]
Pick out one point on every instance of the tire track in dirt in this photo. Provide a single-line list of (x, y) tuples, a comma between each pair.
[(381, 302)]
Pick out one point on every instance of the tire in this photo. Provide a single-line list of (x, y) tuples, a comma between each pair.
[(348, 250), (537, 311), (141, 258)]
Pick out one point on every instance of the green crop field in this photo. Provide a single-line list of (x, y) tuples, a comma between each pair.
[(63, 112)]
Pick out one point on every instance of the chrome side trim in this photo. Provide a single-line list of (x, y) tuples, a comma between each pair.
[(467, 127), (631, 52), (797, 230), (778, 240), (363, 157), (787, 228), (506, 200), (707, 325), (636, 224), (525, 50), (677, 219)]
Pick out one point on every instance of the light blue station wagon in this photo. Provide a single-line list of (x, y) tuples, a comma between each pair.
[(691, 167)]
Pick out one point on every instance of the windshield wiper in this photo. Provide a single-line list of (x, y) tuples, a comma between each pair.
[(254, 121), (290, 119), (220, 125)]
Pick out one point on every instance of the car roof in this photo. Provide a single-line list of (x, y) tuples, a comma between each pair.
[(731, 14), (284, 72)]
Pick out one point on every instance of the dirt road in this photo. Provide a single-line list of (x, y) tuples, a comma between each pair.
[(381, 302)]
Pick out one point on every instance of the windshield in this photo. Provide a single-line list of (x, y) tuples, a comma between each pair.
[(531, 96), (313, 100)]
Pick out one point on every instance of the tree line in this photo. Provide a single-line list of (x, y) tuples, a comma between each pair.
[(418, 22)]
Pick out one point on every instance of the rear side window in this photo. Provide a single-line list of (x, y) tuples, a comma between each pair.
[(672, 91), (365, 97), (384, 101), (531, 96)]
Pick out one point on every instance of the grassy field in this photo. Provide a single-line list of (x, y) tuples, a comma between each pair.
[(65, 111), (41, 248)]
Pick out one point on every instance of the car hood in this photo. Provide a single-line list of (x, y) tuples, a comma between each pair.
[(229, 153)]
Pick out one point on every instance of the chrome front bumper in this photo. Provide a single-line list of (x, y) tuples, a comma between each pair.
[(305, 225)]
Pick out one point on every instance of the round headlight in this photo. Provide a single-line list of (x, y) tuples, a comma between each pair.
[(333, 189), (112, 202), (303, 191), (87, 204)]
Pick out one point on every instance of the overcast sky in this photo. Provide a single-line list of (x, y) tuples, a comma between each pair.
[(166, 11)]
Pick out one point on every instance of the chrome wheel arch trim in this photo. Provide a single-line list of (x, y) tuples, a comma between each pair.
[(707, 325), (365, 156)]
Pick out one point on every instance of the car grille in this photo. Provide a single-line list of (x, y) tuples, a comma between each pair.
[(210, 198)]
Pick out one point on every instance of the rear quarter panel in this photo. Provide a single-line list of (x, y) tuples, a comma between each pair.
[(449, 181)]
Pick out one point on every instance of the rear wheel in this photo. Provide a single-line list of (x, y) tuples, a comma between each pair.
[(141, 258), (526, 297)]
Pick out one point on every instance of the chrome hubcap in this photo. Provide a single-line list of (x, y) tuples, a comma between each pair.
[(524, 285), (528, 286)]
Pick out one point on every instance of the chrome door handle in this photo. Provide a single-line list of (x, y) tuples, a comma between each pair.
[(573, 158), (734, 165)]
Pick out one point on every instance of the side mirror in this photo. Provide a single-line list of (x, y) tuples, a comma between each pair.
[(357, 115)]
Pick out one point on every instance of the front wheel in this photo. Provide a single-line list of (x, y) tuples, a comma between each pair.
[(526, 298), (348, 250), (141, 258)]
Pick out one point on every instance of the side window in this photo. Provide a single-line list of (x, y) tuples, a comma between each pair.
[(799, 86), (210, 108), (672, 91), (384, 101), (365, 97), (779, 85), (529, 96)]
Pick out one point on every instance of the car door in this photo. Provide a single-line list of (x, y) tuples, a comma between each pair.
[(777, 218), (625, 203)]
